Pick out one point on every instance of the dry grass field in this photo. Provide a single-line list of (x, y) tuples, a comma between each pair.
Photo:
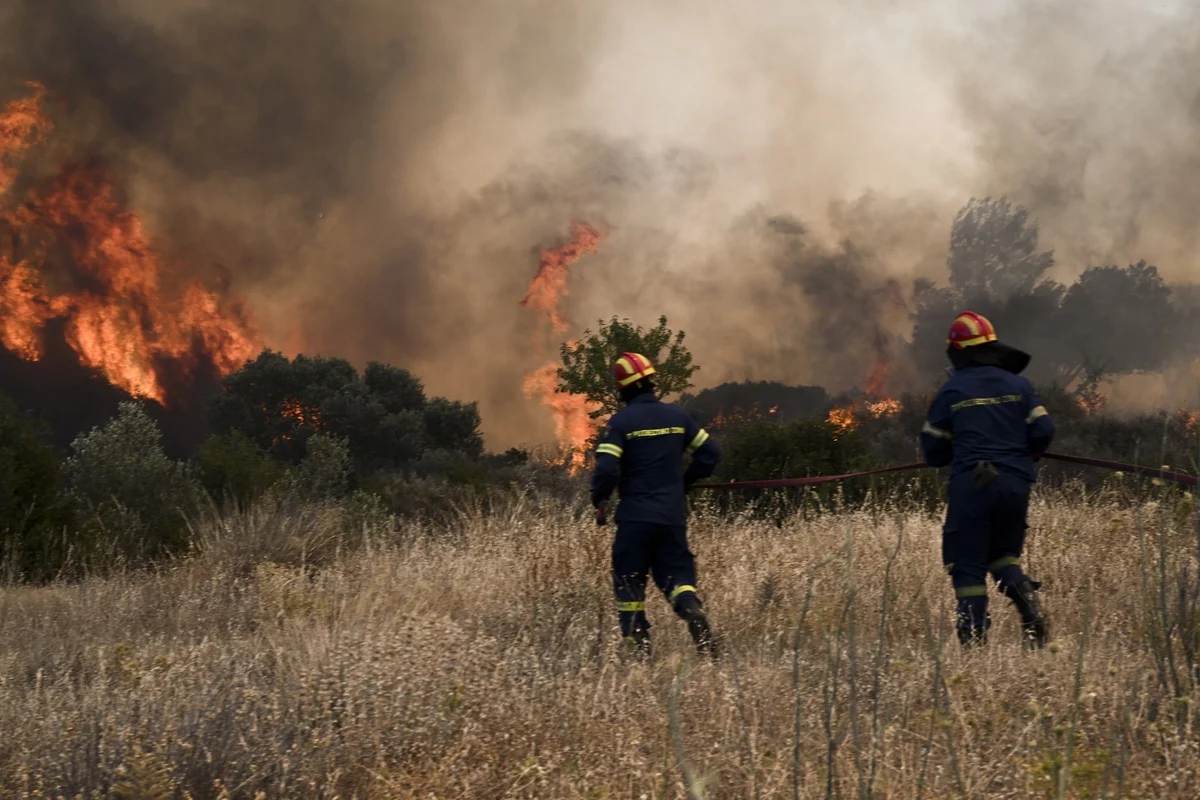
[(484, 663)]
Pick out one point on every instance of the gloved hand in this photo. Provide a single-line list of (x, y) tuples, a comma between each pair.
[(601, 515)]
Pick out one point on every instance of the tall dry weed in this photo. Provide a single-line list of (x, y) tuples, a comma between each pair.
[(294, 656)]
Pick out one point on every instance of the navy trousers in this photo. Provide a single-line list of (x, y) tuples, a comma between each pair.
[(984, 533), (641, 550)]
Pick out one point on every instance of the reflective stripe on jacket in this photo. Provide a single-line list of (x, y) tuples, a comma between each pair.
[(641, 456), (986, 414)]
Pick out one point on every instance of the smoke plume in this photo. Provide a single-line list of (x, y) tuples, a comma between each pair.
[(377, 178)]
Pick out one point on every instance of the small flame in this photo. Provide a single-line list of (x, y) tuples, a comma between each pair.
[(117, 319), (726, 418), (884, 408), (849, 417), (842, 419)]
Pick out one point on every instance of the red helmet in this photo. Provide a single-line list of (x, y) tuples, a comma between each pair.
[(631, 368), (970, 329)]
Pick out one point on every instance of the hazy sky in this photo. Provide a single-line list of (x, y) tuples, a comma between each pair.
[(379, 176)]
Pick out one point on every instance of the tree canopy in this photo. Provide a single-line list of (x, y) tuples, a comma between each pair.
[(588, 363), (993, 251), (383, 414)]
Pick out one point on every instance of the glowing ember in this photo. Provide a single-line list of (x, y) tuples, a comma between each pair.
[(573, 426), (549, 286), (304, 416), (78, 233), (1091, 404)]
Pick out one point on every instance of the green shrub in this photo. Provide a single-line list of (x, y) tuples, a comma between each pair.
[(233, 467), (323, 474), (34, 516), (762, 450), (134, 500)]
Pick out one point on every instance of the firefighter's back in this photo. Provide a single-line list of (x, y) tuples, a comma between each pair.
[(652, 473), (990, 415)]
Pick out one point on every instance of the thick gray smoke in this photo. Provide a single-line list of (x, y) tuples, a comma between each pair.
[(378, 176)]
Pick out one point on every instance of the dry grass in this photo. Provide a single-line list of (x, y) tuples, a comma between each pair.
[(484, 663)]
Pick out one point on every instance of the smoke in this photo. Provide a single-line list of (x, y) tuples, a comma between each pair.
[(377, 177)]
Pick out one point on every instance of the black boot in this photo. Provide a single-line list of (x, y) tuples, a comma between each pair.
[(1035, 627), (689, 608), (973, 620), (637, 644), (972, 636)]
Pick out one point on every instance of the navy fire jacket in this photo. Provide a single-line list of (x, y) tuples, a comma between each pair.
[(986, 414), (641, 454)]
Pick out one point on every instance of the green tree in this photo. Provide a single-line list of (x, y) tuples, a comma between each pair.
[(33, 514), (383, 414), (1120, 318), (993, 251), (588, 363)]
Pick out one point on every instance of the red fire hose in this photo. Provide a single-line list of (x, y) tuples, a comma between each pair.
[(780, 483)]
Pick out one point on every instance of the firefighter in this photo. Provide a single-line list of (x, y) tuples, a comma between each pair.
[(988, 424), (641, 455)]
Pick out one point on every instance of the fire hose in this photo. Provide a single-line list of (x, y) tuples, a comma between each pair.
[(1116, 466)]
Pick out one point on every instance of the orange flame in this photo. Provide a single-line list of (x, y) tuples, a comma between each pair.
[(22, 126), (884, 408), (303, 415), (117, 320), (549, 285), (849, 417), (842, 419), (572, 424)]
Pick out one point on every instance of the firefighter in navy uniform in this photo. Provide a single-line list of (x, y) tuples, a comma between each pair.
[(641, 454), (989, 426)]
